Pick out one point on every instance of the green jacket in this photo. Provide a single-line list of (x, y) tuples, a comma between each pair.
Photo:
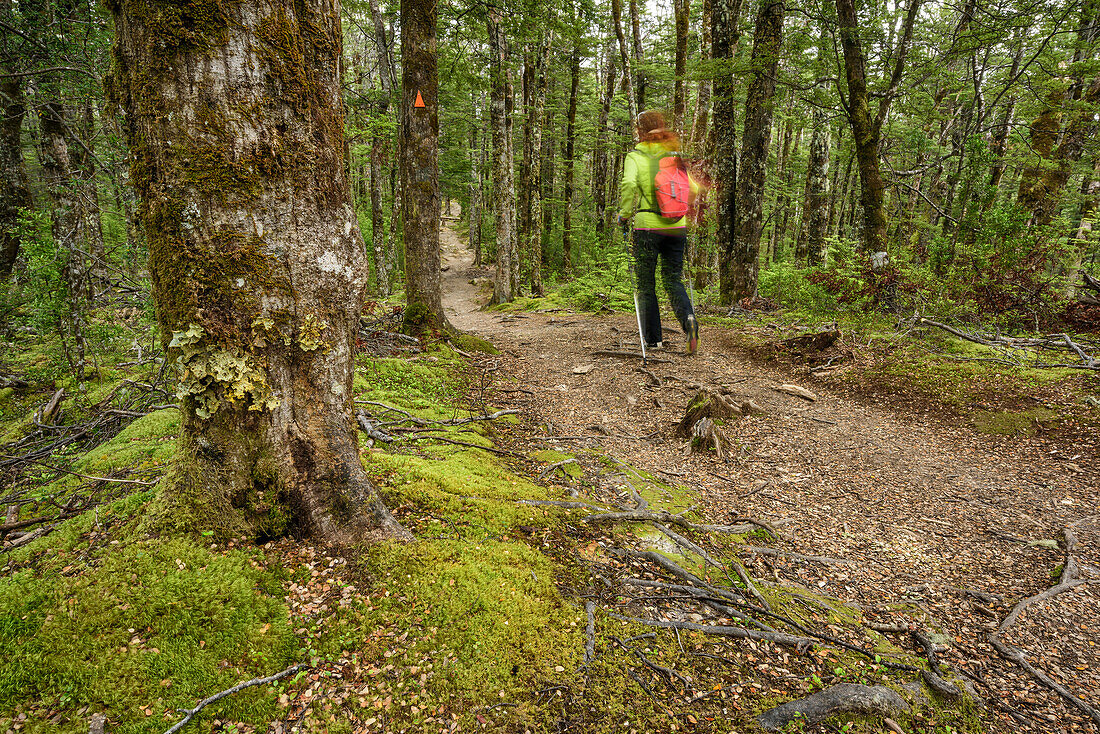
[(636, 189)]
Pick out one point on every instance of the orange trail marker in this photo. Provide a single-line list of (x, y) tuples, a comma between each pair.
[(419, 100)]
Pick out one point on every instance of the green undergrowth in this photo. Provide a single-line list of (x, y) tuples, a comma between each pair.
[(480, 621), (931, 371)]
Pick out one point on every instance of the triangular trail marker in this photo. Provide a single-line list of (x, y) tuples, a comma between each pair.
[(419, 100)]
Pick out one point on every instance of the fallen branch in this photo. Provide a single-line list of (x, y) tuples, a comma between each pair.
[(667, 517), (841, 698), (775, 552), (490, 449), (590, 632), (780, 638), (229, 692), (78, 474), (1067, 581)]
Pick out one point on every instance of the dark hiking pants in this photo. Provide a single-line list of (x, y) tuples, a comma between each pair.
[(649, 247)]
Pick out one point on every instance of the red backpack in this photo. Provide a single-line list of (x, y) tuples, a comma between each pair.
[(671, 185)]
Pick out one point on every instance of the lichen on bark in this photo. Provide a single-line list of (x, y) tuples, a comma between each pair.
[(258, 266)]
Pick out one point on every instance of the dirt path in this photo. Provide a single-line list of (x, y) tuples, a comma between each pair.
[(936, 520)]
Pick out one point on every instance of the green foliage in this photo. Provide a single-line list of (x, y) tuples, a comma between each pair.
[(607, 284)]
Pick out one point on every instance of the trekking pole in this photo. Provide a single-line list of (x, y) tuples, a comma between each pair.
[(637, 305)]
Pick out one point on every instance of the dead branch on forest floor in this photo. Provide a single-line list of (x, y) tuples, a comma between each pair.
[(1067, 581), (665, 516), (190, 713), (1010, 348)]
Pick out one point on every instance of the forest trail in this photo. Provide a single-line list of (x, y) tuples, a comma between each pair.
[(933, 517)]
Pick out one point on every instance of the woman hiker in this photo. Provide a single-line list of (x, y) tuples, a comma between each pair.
[(657, 237)]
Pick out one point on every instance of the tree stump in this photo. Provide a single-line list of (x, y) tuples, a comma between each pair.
[(706, 404), (701, 420)]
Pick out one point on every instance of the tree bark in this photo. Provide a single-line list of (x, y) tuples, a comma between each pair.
[(70, 231), (636, 36), (624, 57), (682, 11), (504, 199), (14, 191), (725, 15), (703, 91), (237, 145), (602, 174), (380, 147), (738, 272), (815, 202), (865, 128), (570, 134), (420, 167)]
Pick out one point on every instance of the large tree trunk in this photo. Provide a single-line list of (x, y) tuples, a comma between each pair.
[(724, 37), (258, 265), (738, 272), (420, 167), (504, 198), (815, 206), (14, 192)]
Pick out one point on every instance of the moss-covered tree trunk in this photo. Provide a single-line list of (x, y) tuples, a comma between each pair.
[(725, 15), (815, 206), (236, 132), (740, 262), (420, 166), (504, 189), (14, 193)]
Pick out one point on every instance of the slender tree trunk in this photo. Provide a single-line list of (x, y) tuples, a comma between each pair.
[(815, 206), (570, 134), (624, 58), (379, 150), (602, 174), (477, 154), (699, 132), (14, 191), (639, 58), (682, 10), (257, 262), (70, 231), (725, 15), (738, 273), (534, 121), (1000, 134), (865, 128), (503, 181)]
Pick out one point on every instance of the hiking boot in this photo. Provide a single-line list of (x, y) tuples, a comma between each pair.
[(692, 334), (655, 345)]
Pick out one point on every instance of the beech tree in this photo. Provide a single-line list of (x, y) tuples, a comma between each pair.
[(420, 166), (259, 270)]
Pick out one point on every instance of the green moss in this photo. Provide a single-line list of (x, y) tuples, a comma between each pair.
[(143, 623), (149, 440), (471, 343), (5, 397), (1008, 423)]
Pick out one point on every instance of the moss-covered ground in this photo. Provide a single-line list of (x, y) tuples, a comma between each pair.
[(477, 625)]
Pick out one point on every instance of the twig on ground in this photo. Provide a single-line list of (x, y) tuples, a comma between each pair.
[(798, 556), (239, 687), (779, 638), (664, 516), (590, 632)]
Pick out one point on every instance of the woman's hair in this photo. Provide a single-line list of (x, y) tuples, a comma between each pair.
[(651, 128)]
